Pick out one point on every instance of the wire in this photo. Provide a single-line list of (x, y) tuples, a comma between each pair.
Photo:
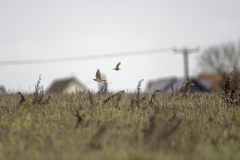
[(81, 58)]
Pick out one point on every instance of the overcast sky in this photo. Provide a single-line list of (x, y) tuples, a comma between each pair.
[(57, 29)]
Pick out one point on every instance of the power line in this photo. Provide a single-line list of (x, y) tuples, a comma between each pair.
[(81, 58)]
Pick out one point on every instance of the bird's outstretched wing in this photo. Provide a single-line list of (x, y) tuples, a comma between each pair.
[(98, 74), (117, 66), (187, 83)]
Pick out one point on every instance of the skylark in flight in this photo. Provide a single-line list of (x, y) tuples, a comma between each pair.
[(187, 83), (117, 67), (98, 77)]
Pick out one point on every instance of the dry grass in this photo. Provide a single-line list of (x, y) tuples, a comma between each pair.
[(230, 86), (93, 126)]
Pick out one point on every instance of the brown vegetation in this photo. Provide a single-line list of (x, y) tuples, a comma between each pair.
[(121, 126)]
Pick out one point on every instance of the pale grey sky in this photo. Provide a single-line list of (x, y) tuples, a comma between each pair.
[(58, 29)]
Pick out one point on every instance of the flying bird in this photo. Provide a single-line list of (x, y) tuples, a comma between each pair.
[(187, 83), (98, 77), (117, 67)]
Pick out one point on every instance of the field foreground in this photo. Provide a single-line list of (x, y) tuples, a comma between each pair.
[(119, 126)]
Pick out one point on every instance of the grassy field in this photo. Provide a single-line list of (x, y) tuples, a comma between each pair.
[(118, 126)]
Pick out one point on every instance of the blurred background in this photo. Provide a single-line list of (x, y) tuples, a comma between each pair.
[(51, 39)]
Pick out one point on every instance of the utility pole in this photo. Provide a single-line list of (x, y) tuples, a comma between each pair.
[(185, 51)]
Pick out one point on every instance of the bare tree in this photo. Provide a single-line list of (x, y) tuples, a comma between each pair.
[(220, 58)]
